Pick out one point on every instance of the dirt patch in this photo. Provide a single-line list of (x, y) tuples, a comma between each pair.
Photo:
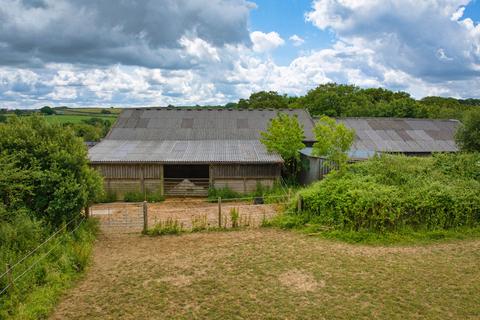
[(298, 280)]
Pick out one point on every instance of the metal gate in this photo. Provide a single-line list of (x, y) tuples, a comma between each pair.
[(119, 218)]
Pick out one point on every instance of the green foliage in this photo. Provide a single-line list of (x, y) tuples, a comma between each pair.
[(339, 100), (48, 172), (224, 193), (36, 293), (169, 226), (234, 217), (47, 110), (155, 197), (468, 135), (391, 193), (285, 136), (140, 196), (333, 140), (107, 197), (264, 99)]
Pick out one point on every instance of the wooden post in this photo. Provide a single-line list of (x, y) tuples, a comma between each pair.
[(145, 217), (299, 203), (219, 212), (9, 277)]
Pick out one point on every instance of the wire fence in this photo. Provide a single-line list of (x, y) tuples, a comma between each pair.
[(188, 212), (10, 269)]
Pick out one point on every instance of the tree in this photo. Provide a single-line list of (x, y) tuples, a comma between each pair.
[(264, 99), (468, 134), (334, 140), (59, 182), (47, 110), (285, 136)]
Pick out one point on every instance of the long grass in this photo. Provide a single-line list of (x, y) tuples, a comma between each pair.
[(47, 274)]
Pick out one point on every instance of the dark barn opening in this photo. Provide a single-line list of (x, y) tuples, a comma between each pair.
[(186, 171), (186, 179)]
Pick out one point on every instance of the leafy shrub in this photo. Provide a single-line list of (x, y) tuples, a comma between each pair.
[(140, 196), (397, 192), (224, 193), (155, 197), (132, 196), (107, 197)]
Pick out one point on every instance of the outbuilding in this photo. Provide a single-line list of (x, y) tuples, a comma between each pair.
[(186, 151), (413, 137)]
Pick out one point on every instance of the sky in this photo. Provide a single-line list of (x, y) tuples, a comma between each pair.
[(188, 52)]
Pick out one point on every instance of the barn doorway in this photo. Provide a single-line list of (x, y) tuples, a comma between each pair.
[(186, 180)]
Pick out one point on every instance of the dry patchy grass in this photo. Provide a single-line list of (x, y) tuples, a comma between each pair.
[(272, 274)]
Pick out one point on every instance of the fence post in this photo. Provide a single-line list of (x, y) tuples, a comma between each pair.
[(299, 203), (219, 212), (9, 277), (145, 217)]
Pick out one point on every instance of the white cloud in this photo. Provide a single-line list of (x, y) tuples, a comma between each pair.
[(199, 49), (264, 42), (296, 40), (425, 48), (407, 35)]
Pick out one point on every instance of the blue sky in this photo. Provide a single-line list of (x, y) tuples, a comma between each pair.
[(184, 52), (287, 17)]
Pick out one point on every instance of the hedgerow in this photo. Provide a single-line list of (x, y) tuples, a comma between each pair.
[(391, 193)]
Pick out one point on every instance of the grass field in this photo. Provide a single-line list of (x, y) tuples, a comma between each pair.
[(272, 274), (67, 118), (77, 115)]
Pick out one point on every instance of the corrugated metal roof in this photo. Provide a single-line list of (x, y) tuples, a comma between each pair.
[(182, 151), (181, 135), (200, 124), (403, 135)]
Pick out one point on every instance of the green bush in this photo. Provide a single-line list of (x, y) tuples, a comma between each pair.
[(155, 197), (140, 196), (396, 192), (133, 196), (224, 193), (107, 197)]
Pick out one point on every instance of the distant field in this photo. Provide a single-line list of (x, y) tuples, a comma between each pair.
[(77, 118), (77, 115), (88, 111)]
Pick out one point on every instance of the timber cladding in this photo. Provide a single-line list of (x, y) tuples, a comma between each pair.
[(129, 171), (246, 171)]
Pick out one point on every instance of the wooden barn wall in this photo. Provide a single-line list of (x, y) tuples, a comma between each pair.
[(122, 178), (246, 171), (244, 178), (130, 171)]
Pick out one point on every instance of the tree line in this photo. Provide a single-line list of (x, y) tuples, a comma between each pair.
[(342, 100)]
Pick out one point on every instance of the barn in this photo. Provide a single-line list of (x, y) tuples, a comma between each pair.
[(185, 151), (413, 137)]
